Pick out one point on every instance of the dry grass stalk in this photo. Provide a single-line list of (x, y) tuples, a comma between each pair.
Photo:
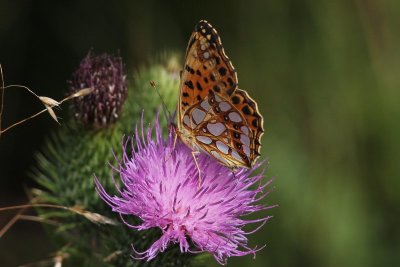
[(48, 102), (91, 216)]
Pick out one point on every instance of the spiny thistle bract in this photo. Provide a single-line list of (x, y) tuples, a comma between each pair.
[(65, 169), (161, 186)]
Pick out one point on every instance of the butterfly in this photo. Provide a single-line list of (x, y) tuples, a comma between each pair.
[(214, 115)]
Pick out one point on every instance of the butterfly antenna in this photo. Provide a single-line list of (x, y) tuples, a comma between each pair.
[(167, 114), (174, 115)]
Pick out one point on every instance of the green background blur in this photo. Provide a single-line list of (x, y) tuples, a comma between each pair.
[(326, 76)]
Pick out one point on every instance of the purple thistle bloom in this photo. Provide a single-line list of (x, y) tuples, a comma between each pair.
[(161, 187)]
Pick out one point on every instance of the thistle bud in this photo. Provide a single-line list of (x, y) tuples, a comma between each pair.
[(105, 75)]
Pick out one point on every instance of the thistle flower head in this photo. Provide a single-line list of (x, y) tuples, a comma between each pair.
[(105, 74), (160, 185)]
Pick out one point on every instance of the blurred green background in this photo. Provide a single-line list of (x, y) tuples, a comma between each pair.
[(326, 76)]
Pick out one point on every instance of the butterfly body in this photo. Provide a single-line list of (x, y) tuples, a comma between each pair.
[(214, 116)]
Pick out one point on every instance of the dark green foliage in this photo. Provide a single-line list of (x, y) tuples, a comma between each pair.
[(75, 154)]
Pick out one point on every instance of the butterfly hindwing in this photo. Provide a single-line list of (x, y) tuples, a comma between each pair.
[(220, 130), (213, 114)]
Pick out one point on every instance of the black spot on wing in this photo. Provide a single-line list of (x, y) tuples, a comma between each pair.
[(199, 86), (222, 71), (246, 110), (189, 84), (189, 69), (212, 77), (230, 91), (235, 100), (252, 104), (230, 81), (255, 123)]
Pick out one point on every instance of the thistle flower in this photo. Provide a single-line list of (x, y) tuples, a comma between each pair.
[(105, 74), (160, 185)]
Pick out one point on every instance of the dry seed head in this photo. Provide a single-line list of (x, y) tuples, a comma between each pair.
[(52, 113), (47, 101), (83, 92), (93, 217)]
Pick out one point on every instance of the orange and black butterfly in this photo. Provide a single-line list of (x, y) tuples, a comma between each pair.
[(214, 115)]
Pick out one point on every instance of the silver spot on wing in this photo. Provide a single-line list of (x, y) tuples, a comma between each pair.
[(205, 105), (235, 117), (245, 130), (186, 120), (216, 129), (204, 139), (236, 155), (246, 150), (217, 98), (198, 115), (224, 106), (218, 156), (245, 139), (222, 147)]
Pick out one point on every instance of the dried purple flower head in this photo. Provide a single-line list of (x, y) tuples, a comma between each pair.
[(105, 74), (161, 187)]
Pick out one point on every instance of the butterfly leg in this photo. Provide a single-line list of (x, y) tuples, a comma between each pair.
[(233, 170), (175, 139), (173, 146), (194, 154)]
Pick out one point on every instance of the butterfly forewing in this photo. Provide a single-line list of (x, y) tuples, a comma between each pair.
[(213, 115), (206, 67)]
